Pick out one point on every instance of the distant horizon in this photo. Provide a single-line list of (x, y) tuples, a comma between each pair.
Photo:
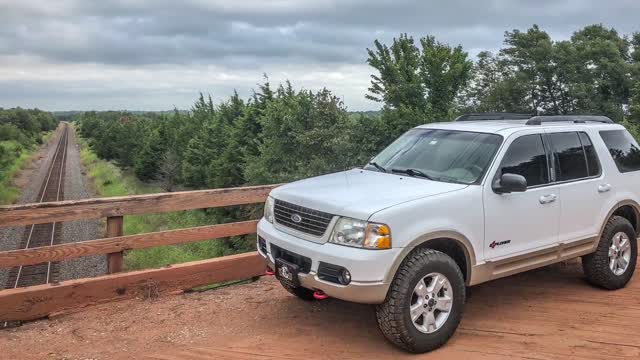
[(152, 111)]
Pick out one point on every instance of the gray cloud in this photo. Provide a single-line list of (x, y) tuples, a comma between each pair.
[(249, 37)]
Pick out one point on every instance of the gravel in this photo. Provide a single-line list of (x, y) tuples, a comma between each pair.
[(76, 187)]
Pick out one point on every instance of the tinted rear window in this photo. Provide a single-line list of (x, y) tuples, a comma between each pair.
[(592, 157), (623, 148), (570, 161)]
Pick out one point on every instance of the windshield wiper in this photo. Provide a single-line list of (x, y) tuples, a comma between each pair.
[(412, 172), (377, 166)]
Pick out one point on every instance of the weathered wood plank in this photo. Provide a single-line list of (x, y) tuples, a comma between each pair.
[(38, 301), (38, 213), (115, 260), (122, 243)]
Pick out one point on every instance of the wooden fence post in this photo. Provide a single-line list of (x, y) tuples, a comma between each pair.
[(115, 228)]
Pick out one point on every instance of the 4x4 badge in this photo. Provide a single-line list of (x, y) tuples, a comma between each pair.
[(494, 244)]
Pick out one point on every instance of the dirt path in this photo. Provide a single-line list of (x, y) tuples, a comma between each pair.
[(546, 314)]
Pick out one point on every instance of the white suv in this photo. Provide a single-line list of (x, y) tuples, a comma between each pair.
[(454, 204)]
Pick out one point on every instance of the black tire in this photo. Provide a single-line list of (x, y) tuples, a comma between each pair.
[(596, 265), (393, 315), (302, 293)]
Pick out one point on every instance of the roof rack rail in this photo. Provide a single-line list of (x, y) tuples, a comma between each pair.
[(493, 116), (577, 119)]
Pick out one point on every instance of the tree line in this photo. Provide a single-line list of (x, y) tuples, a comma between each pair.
[(277, 135)]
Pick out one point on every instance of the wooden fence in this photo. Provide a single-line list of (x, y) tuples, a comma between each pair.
[(41, 300)]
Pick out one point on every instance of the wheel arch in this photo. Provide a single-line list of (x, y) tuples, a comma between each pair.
[(628, 209), (452, 243)]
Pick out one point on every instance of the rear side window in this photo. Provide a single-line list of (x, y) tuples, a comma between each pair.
[(623, 148), (570, 161), (593, 164), (526, 156)]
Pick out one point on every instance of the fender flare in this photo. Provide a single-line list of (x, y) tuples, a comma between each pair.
[(628, 202), (463, 241)]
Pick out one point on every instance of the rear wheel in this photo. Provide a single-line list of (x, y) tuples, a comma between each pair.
[(613, 263), (425, 301)]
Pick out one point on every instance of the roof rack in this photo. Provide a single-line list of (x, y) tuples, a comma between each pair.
[(577, 119), (493, 116), (533, 119)]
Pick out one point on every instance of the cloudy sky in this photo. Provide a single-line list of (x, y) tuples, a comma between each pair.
[(154, 55)]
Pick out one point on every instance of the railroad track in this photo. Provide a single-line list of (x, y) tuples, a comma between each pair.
[(39, 235)]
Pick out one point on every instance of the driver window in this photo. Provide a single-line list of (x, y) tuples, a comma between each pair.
[(526, 156)]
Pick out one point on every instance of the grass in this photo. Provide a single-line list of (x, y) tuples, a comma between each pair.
[(19, 158), (109, 180)]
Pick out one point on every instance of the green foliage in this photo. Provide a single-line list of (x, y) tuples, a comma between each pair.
[(302, 136), (110, 180), (634, 104), (21, 131), (416, 85), (148, 160), (591, 73)]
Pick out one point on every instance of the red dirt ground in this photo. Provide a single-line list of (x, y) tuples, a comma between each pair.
[(545, 314)]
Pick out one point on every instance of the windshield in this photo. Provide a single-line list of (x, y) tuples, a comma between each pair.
[(440, 155)]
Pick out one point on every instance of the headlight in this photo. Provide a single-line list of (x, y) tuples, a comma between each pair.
[(360, 233), (268, 209)]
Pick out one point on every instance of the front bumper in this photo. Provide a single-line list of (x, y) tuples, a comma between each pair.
[(368, 268)]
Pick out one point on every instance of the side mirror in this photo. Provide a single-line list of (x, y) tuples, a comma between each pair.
[(509, 183)]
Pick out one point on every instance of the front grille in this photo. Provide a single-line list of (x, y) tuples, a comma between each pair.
[(312, 222), (303, 262)]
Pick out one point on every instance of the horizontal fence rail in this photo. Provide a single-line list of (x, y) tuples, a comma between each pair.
[(41, 213), (122, 243), (41, 300)]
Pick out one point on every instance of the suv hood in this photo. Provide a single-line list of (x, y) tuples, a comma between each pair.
[(359, 193)]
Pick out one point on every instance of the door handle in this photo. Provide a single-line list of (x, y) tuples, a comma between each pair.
[(546, 199), (604, 188)]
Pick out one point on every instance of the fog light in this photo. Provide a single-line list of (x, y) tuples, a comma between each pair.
[(345, 277)]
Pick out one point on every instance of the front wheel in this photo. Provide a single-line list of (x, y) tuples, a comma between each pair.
[(425, 301)]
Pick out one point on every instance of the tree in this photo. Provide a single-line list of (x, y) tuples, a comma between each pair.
[(531, 57), (301, 137), (634, 104), (147, 162), (169, 170), (602, 80), (416, 85), (444, 72), (225, 168)]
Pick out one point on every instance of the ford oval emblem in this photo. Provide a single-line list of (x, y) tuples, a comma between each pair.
[(296, 218)]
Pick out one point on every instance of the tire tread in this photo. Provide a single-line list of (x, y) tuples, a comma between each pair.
[(389, 314), (596, 265)]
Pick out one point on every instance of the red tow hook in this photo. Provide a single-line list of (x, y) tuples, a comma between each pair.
[(269, 272), (320, 295)]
